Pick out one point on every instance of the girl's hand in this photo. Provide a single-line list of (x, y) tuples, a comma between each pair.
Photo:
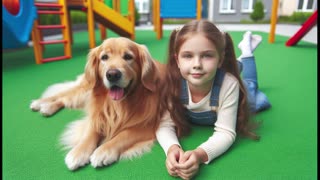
[(173, 156), (189, 163)]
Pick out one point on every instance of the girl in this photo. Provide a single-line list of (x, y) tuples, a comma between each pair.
[(210, 92)]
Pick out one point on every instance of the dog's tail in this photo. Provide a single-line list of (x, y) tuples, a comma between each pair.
[(72, 134)]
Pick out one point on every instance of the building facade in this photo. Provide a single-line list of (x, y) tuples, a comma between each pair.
[(144, 9), (287, 7), (236, 10), (233, 11)]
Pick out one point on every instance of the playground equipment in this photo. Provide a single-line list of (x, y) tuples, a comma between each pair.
[(12, 6), (60, 9), (106, 16), (96, 10), (17, 21), (273, 20), (126, 8), (165, 9), (306, 27), (17, 25)]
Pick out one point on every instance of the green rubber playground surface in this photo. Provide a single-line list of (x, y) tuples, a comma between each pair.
[(287, 149)]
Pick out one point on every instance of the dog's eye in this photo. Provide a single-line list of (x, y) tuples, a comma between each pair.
[(127, 57), (104, 57)]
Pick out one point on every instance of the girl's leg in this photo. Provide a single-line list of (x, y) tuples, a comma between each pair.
[(249, 70), (257, 100), (262, 102), (247, 66), (249, 78)]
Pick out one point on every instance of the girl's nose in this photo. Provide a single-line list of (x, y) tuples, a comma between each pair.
[(197, 63)]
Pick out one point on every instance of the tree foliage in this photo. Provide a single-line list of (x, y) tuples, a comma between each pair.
[(258, 11)]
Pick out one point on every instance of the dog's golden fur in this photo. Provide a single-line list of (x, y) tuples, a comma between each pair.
[(117, 124)]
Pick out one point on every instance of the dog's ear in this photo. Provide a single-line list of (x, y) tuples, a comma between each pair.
[(149, 72), (91, 68)]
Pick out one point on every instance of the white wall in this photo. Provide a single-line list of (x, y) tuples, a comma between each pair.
[(287, 7)]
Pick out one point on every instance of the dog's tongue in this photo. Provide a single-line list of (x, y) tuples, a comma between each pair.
[(116, 93)]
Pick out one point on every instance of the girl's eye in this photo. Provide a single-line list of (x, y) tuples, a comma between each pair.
[(208, 55), (187, 56), (127, 57), (105, 57)]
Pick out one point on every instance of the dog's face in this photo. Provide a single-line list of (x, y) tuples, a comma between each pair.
[(120, 64)]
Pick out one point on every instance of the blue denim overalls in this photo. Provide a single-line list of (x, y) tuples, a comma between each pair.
[(205, 117)]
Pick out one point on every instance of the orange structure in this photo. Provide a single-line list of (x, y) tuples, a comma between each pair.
[(106, 16), (96, 11), (273, 20), (60, 9)]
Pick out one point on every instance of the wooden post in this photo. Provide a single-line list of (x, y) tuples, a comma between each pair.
[(273, 20), (199, 9), (92, 39)]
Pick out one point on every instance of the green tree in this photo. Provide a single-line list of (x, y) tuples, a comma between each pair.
[(136, 16), (258, 11)]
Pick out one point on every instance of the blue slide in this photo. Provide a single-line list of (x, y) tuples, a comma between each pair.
[(16, 29)]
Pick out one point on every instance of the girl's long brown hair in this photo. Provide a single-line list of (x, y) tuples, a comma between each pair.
[(225, 48)]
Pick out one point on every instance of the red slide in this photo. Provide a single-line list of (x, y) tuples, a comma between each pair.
[(306, 27)]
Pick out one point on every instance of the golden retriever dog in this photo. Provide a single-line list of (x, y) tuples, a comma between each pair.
[(120, 91)]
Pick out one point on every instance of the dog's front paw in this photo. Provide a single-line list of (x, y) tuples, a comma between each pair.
[(35, 105), (101, 157), (76, 159), (46, 108)]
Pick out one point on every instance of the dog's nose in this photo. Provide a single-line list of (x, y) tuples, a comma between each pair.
[(113, 75)]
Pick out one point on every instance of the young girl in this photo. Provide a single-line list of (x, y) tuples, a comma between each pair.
[(205, 82)]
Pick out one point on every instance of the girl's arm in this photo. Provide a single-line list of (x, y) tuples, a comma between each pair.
[(167, 138), (166, 133), (225, 127)]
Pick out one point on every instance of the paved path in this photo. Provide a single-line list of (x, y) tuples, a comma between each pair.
[(281, 29)]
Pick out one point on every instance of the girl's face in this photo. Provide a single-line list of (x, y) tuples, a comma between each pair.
[(198, 61)]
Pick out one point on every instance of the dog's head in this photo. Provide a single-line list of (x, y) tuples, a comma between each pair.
[(119, 65)]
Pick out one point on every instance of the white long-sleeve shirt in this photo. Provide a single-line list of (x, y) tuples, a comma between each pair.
[(224, 129)]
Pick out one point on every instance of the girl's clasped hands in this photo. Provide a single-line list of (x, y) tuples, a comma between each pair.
[(184, 164)]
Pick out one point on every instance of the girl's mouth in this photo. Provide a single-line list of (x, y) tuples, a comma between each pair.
[(197, 75)]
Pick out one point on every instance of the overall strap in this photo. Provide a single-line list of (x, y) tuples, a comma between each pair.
[(214, 99), (184, 97)]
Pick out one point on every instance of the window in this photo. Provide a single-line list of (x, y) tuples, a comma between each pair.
[(306, 5), (227, 6), (247, 5), (142, 6)]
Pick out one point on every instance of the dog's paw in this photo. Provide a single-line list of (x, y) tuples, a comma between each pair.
[(35, 105), (47, 109), (75, 159), (102, 157)]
